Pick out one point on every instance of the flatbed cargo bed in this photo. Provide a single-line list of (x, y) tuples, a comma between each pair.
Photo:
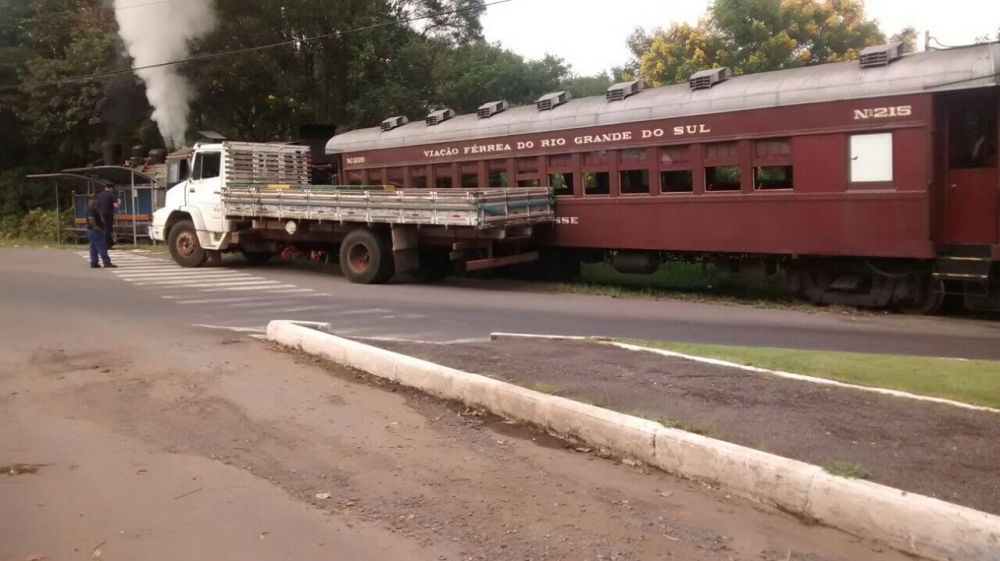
[(485, 208)]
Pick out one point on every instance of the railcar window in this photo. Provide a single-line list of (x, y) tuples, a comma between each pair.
[(596, 183), (768, 149), (528, 183), (394, 176), (871, 158), (561, 183), (561, 161), (375, 177), (527, 165), (418, 177), (632, 155), (972, 135), (722, 178), (443, 177), (634, 181), (595, 158), (771, 178), (355, 178), (677, 181), (722, 151), (498, 179), (497, 173), (674, 155), (470, 176)]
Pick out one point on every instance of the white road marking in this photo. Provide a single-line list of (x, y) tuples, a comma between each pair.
[(248, 288), (263, 283), (230, 328), (265, 303), (365, 311), (188, 282), (173, 273)]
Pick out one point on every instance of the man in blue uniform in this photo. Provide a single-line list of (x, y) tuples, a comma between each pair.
[(95, 235), (107, 202)]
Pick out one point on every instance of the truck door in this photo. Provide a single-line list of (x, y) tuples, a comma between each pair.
[(971, 205), (204, 189)]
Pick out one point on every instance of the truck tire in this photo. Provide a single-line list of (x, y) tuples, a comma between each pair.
[(184, 246), (366, 258)]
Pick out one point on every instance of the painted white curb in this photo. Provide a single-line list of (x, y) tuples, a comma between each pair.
[(908, 522), (727, 364)]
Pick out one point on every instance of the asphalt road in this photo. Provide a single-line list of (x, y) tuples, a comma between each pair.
[(241, 296), (129, 433)]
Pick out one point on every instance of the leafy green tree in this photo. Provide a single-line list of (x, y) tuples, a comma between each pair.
[(585, 86), (471, 75), (756, 36)]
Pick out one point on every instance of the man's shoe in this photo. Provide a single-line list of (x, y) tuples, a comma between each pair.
[(95, 266), (110, 266)]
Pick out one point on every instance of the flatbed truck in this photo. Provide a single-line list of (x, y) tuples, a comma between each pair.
[(257, 199)]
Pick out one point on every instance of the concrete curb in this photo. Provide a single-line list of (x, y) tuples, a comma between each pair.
[(908, 522)]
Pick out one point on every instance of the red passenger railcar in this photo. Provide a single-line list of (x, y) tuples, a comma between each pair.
[(872, 182)]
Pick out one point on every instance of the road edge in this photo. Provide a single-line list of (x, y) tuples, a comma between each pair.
[(909, 522)]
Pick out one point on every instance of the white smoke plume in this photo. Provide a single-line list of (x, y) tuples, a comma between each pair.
[(155, 33)]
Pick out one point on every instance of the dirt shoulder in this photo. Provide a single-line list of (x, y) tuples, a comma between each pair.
[(935, 450), (158, 442)]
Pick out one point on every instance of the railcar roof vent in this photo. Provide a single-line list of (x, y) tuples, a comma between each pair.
[(705, 79), (880, 55), (439, 116), (490, 109), (621, 90), (552, 100), (393, 122)]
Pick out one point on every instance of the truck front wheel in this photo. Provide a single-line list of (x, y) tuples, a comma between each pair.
[(184, 245), (366, 258)]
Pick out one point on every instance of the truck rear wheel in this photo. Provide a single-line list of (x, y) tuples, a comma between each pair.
[(184, 246), (366, 258)]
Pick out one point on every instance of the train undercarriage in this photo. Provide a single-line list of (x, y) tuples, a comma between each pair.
[(961, 277)]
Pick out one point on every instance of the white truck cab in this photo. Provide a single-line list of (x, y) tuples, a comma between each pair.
[(198, 200)]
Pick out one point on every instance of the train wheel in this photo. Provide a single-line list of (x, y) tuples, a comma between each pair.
[(184, 246), (366, 258), (929, 302)]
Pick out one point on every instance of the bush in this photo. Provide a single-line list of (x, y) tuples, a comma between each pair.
[(10, 227), (39, 224)]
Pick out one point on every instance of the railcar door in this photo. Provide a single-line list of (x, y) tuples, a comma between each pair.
[(971, 205)]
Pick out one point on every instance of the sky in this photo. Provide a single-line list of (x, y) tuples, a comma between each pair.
[(590, 35)]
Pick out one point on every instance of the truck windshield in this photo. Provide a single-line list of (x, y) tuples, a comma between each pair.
[(207, 165)]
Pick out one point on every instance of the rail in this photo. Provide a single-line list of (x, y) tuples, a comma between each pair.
[(476, 208)]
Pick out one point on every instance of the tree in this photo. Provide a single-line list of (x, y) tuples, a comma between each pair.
[(471, 75), (756, 36), (585, 86), (908, 37)]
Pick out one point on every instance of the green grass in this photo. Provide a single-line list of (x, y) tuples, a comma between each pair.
[(970, 381), (847, 469)]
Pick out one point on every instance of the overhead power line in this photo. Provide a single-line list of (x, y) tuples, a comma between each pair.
[(287, 43)]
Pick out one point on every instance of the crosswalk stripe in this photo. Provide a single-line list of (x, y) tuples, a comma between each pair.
[(234, 284), (168, 276), (175, 273), (248, 288), (188, 282)]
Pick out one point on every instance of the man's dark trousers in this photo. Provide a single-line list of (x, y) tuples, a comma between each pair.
[(97, 247)]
